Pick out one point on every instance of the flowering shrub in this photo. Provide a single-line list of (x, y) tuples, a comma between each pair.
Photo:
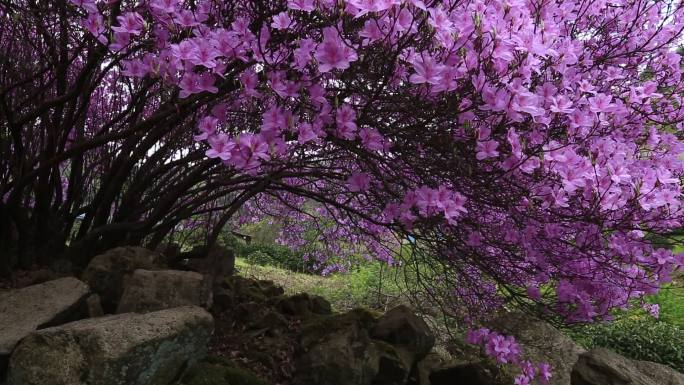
[(505, 350), (514, 144)]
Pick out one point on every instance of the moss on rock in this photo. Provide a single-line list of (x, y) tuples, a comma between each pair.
[(318, 328), (218, 371)]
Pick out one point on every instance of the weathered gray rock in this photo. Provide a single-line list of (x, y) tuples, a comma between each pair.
[(432, 362), (125, 349), (402, 328), (94, 306), (303, 305), (171, 253), (105, 273), (661, 374), (339, 349), (467, 373), (216, 262), (50, 303), (233, 290), (604, 367), (147, 291), (220, 371), (541, 342)]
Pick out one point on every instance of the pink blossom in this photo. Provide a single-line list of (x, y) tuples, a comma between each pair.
[(333, 52), (130, 22), (207, 127), (186, 18), (94, 24), (561, 104), (487, 149), (427, 70), (346, 122), (302, 5), (166, 6), (306, 133), (601, 103), (282, 21), (249, 80), (88, 5), (371, 139), (358, 182), (544, 373), (135, 68), (250, 151), (221, 147)]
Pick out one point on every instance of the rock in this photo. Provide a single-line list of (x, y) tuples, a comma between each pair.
[(430, 363), (303, 305), (320, 305), (62, 267), (256, 316), (337, 350), (468, 373), (25, 310), (231, 291), (394, 366), (661, 374), (217, 262), (402, 328), (171, 253), (125, 349), (105, 273), (223, 261), (217, 371), (541, 342), (604, 367), (94, 306), (147, 291)]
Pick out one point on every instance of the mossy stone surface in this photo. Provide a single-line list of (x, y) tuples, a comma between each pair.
[(218, 371)]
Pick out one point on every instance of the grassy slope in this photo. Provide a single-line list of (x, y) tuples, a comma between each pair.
[(671, 301), (344, 291)]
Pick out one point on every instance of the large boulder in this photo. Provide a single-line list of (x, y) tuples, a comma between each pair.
[(541, 342), (337, 350), (125, 349), (233, 290), (25, 310), (302, 305), (106, 272), (219, 371), (216, 261), (403, 329), (340, 349), (468, 373), (147, 291), (661, 374), (604, 367), (171, 253)]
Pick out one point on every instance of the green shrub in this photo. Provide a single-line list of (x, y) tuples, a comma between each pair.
[(272, 255), (260, 258), (641, 339)]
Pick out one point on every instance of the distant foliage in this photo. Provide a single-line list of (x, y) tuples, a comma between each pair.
[(641, 339), (270, 255)]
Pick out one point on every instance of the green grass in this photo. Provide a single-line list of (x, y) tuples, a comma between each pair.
[(671, 302), (370, 285)]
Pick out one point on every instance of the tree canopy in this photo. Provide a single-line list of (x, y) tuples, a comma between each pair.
[(524, 150)]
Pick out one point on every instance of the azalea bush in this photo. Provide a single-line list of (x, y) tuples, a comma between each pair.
[(515, 145)]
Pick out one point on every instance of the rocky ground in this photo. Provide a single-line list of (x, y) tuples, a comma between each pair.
[(131, 319)]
